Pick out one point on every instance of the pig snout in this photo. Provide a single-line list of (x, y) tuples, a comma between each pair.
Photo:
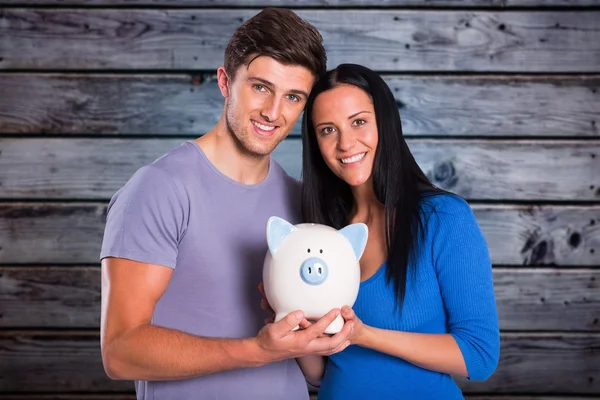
[(313, 271)]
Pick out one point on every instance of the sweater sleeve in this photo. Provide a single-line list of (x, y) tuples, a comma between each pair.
[(463, 266)]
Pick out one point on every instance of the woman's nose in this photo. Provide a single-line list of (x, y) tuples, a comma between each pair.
[(346, 141)]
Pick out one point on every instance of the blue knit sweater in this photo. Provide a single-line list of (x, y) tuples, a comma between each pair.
[(451, 292)]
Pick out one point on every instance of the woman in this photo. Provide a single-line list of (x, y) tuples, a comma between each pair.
[(426, 308)]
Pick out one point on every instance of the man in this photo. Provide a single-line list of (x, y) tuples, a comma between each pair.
[(185, 239)]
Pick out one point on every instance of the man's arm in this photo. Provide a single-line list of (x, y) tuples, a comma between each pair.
[(311, 365), (133, 349)]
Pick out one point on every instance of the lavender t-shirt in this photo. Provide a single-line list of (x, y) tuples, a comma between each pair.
[(181, 212)]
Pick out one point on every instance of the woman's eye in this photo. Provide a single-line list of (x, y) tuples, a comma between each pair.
[(326, 131), (359, 122)]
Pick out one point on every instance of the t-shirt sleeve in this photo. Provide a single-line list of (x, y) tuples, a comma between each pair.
[(464, 269), (146, 219)]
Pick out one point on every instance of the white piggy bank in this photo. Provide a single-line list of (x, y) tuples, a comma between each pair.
[(313, 268)]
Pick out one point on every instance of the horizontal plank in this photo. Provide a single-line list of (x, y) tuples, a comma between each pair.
[(527, 299), (532, 235), (180, 104), (50, 297), (541, 235), (513, 397), (313, 396), (529, 363), (93, 396), (53, 168), (544, 363), (409, 40), (312, 3), (548, 299)]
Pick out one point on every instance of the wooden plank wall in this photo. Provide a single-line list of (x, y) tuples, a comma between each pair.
[(500, 100)]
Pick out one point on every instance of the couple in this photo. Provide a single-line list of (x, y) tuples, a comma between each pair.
[(185, 242)]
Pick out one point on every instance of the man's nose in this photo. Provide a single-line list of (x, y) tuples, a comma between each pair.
[(271, 110)]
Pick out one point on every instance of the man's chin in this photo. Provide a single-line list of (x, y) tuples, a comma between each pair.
[(258, 151), (262, 148)]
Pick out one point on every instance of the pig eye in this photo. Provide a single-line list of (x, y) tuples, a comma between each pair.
[(308, 250), (321, 251)]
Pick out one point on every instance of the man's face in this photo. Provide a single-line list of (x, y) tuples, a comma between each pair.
[(264, 100)]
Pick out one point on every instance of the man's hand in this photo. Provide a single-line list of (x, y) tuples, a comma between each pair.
[(280, 341)]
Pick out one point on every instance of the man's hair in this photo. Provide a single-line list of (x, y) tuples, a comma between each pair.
[(280, 34)]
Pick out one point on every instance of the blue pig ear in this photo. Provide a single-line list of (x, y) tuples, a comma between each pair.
[(357, 234), (277, 229)]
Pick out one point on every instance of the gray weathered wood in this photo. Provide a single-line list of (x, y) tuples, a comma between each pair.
[(513, 397), (55, 233), (51, 233), (54, 362), (527, 299), (541, 235), (544, 363), (548, 299), (529, 363), (541, 170), (108, 104), (313, 3), (313, 396), (130, 396), (179, 104), (50, 297), (476, 169), (411, 40)]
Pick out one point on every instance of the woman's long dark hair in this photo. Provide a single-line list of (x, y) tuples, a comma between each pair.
[(398, 181)]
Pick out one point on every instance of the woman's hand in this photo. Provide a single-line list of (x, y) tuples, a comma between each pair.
[(360, 330)]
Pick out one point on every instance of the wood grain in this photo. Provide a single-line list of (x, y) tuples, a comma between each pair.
[(92, 396), (454, 4), (54, 362), (51, 233), (409, 40), (71, 233), (40, 168), (527, 299), (531, 363), (50, 297), (175, 104), (313, 396), (548, 299), (541, 235), (544, 363)]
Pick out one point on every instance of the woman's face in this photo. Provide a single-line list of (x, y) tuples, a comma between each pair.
[(344, 122)]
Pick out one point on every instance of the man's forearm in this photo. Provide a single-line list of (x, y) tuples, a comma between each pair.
[(154, 353)]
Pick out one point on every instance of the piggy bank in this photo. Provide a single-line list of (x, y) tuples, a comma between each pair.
[(313, 268)]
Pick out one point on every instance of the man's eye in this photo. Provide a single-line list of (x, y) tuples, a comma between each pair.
[(259, 87), (293, 97)]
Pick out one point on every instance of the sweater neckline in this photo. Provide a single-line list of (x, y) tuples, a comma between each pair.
[(375, 276)]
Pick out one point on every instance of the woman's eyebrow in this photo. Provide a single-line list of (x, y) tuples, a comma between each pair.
[(360, 112)]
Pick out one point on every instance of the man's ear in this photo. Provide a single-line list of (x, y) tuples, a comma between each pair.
[(223, 81)]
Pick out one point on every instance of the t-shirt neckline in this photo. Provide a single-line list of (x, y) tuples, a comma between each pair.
[(217, 172)]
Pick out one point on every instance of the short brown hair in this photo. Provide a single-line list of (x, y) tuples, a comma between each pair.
[(280, 34)]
